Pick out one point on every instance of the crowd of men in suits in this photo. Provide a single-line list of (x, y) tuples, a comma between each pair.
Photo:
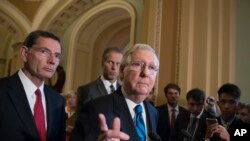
[(113, 107), (194, 122), (173, 118)]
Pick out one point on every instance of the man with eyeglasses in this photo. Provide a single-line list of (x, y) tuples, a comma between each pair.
[(105, 84), (229, 98), (30, 110), (124, 115)]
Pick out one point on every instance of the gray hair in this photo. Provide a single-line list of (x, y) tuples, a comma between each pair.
[(127, 57)]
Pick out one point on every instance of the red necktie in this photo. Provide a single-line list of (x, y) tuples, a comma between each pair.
[(172, 123), (39, 116)]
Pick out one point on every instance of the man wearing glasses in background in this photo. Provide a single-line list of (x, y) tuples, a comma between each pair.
[(124, 115), (30, 110)]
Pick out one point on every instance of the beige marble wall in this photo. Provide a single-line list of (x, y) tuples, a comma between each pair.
[(207, 50)]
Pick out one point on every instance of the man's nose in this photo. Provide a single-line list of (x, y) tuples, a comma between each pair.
[(52, 59), (145, 71), (226, 105)]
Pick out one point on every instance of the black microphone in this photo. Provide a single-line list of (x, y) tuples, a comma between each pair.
[(154, 137), (187, 134)]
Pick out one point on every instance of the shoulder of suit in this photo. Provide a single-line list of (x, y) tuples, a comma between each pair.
[(90, 84), (150, 106), (163, 106), (4, 80), (52, 92), (9, 81), (101, 102), (182, 108)]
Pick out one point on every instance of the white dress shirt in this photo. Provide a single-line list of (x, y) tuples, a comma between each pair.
[(30, 88), (131, 106), (107, 84)]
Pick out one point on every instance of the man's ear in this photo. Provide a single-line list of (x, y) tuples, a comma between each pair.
[(23, 53)]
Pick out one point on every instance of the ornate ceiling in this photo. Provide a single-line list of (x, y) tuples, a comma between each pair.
[(26, 6), (18, 17)]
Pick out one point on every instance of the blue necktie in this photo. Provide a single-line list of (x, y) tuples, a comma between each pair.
[(139, 124)]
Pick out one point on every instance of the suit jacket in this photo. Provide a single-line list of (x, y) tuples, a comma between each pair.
[(237, 124), (200, 132), (90, 91), (164, 125), (71, 120), (113, 105), (16, 119)]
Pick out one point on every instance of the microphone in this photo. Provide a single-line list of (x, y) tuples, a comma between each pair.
[(187, 134), (153, 136)]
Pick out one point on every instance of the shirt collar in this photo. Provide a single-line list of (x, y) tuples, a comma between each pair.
[(107, 83), (176, 108), (28, 85), (131, 104), (192, 116), (226, 124)]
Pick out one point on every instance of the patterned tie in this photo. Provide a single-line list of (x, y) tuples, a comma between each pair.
[(39, 116), (172, 123), (112, 89), (139, 123)]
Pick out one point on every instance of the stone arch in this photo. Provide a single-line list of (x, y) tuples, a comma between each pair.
[(44, 15), (13, 20), (84, 44), (14, 27)]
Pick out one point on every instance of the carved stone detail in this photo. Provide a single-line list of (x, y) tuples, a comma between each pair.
[(7, 25), (69, 14)]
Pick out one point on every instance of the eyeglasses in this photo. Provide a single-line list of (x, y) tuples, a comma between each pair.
[(44, 52), (139, 66)]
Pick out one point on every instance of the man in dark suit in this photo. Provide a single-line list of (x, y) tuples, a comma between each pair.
[(30, 110), (195, 123), (107, 82), (167, 121), (229, 98), (138, 72)]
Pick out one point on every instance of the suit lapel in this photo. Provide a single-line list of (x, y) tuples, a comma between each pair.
[(127, 125), (52, 109), (117, 85), (20, 102), (166, 115), (49, 109), (101, 87), (151, 118)]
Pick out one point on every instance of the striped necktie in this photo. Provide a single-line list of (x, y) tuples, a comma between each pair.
[(139, 123), (112, 88)]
